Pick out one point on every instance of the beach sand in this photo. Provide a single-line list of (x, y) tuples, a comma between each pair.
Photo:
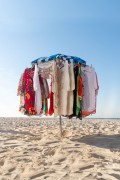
[(33, 149)]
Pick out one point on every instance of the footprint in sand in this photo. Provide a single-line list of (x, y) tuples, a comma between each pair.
[(37, 175), (11, 169), (24, 159), (40, 174), (97, 156), (86, 167), (2, 163), (61, 160), (49, 152), (3, 151), (117, 176)]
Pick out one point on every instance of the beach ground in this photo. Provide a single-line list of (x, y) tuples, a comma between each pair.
[(33, 149)]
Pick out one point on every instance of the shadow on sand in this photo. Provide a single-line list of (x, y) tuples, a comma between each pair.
[(102, 141), (16, 132)]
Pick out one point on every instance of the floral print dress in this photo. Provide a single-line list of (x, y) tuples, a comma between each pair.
[(27, 89)]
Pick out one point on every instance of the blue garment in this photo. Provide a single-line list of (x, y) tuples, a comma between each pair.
[(60, 56)]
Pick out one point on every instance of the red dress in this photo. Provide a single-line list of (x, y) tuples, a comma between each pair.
[(51, 109), (27, 89)]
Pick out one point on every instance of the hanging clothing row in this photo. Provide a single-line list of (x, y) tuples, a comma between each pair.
[(73, 89), (30, 95)]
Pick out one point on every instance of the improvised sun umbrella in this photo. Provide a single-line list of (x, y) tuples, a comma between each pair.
[(60, 56), (63, 57)]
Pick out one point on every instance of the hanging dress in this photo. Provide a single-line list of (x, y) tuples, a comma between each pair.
[(63, 88), (55, 80), (21, 95), (70, 98), (75, 91), (79, 96), (51, 108), (27, 89), (37, 89), (90, 89)]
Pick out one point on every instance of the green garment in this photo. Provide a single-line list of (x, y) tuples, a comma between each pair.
[(79, 99), (45, 107)]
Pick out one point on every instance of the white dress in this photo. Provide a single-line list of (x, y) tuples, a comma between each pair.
[(55, 88), (37, 89), (63, 88), (70, 92), (89, 89)]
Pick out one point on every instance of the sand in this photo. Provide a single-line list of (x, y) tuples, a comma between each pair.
[(33, 149)]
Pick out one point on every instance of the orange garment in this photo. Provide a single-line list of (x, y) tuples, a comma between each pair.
[(84, 114)]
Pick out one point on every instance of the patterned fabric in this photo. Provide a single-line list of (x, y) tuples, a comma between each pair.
[(38, 59), (21, 95), (77, 102), (79, 94), (60, 56), (22, 103), (67, 94), (19, 85), (27, 90)]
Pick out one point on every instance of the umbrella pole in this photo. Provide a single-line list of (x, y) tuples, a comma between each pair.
[(60, 127)]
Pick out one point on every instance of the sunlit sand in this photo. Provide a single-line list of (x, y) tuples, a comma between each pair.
[(33, 149)]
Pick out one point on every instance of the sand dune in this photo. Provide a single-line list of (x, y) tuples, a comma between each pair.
[(33, 149)]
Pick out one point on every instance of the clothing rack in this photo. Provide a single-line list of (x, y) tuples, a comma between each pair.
[(45, 70), (75, 60)]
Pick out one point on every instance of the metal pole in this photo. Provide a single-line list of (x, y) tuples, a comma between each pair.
[(60, 127)]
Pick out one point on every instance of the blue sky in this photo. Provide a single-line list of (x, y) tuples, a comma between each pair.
[(89, 29)]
